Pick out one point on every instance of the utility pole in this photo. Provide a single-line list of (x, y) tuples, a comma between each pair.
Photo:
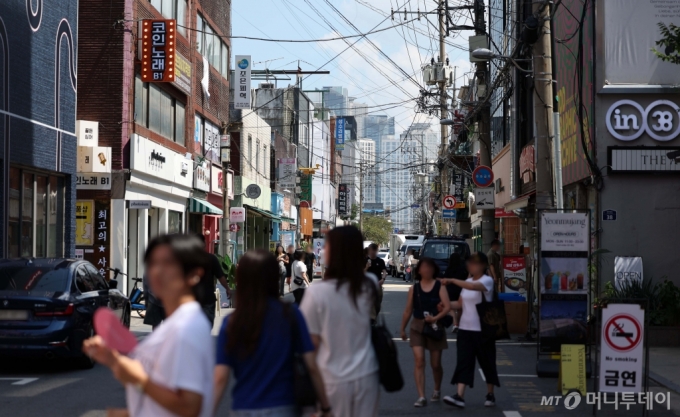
[(484, 125), (443, 4), (543, 107), (361, 197)]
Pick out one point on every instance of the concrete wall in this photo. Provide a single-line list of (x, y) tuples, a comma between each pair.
[(647, 204)]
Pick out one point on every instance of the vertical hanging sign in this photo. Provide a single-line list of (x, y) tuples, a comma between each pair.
[(340, 133), (157, 50), (242, 82)]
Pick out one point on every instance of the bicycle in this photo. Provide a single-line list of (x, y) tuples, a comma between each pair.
[(136, 295)]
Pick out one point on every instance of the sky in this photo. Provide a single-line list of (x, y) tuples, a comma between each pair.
[(389, 89)]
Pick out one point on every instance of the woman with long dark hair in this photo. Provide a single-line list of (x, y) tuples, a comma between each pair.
[(427, 303), (257, 342), (170, 372), (345, 352), (470, 344), (283, 260)]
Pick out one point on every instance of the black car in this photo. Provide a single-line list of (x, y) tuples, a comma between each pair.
[(46, 307), (440, 249)]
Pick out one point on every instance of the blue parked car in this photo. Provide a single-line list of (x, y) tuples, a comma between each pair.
[(46, 307)]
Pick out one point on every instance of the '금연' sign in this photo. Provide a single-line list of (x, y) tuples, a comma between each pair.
[(158, 50)]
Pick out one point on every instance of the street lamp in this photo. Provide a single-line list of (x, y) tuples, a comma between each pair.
[(487, 55)]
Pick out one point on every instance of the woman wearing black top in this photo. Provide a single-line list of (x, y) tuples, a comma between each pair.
[(455, 269), (427, 302)]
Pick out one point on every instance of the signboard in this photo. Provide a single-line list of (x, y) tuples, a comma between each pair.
[(621, 352), (100, 256), (287, 239), (515, 274), (253, 191), (608, 215), (198, 135), (306, 189), (216, 180), (233, 227), (527, 164), (158, 50), (501, 212), (84, 223), (564, 279), (573, 369), (627, 120), (630, 59), (237, 215), (93, 181), (340, 133), (343, 200), (211, 142), (93, 159), (287, 173), (242, 82), (182, 73), (642, 159), (448, 214), (449, 202), (87, 133), (139, 204), (482, 176), (460, 182), (485, 198), (627, 269), (318, 245), (202, 177)]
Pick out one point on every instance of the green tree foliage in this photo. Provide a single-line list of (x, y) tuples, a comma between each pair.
[(670, 43), (354, 212), (377, 229)]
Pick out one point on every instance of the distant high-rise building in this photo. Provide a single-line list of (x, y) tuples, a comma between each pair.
[(376, 127), (337, 100), (367, 161), (403, 158)]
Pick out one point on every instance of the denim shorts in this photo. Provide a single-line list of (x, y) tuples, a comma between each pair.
[(287, 411)]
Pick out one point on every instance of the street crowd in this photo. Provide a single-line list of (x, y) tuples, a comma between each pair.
[(314, 357)]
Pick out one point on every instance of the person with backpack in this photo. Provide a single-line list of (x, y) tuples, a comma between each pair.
[(428, 302), (470, 343), (257, 342), (345, 352)]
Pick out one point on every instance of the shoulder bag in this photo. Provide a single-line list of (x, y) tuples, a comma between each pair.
[(429, 331), (386, 354), (303, 387), (493, 321)]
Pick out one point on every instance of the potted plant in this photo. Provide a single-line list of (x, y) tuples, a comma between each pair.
[(229, 270)]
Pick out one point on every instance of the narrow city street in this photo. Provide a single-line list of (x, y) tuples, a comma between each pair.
[(31, 388)]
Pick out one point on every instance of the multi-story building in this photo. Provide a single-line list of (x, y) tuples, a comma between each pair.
[(38, 128), (376, 127), (367, 165), (323, 185), (337, 100), (402, 159), (163, 136)]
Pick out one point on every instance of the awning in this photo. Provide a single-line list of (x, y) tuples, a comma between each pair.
[(261, 212), (202, 206), (519, 202)]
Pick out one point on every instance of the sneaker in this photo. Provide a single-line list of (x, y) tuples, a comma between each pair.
[(436, 396), (490, 400), (456, 401), (420, 402), (454, 329)]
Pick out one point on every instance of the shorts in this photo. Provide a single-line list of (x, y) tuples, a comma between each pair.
[(417, 339)]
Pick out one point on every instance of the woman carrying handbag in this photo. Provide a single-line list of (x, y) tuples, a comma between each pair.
[(471, 343), (428, 303), (264, 343)]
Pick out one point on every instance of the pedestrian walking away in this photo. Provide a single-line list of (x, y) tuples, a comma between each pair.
[(283, 261), (310, 262), (495, 270), (300, 276), (470, 343), (290, 251), (208, 284), (377, 267), (154, 314), (428, 302), (172, 368), (408, 265), (345, 352), (256, 344), (455, 269)]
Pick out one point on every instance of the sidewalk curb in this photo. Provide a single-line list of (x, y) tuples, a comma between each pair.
[(664, 382)]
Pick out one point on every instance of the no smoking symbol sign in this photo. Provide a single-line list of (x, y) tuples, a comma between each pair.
[(623, 332)]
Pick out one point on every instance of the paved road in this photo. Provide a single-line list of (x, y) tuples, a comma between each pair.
[(38, 388)]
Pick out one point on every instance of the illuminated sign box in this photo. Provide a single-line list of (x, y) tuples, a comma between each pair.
[(157, 50)]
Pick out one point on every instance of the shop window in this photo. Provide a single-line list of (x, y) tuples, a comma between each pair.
[(35, 215), (173, 9), (211, 46), (174, 222), (159, 112)]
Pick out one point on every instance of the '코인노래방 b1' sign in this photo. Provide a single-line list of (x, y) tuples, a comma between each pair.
[(158, 50)]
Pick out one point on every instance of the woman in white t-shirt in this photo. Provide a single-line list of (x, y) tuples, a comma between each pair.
[(345, 353), (299, 280), (470, 344), (170, 372)]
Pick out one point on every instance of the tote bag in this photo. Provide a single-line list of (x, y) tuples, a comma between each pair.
[(493, 320)]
